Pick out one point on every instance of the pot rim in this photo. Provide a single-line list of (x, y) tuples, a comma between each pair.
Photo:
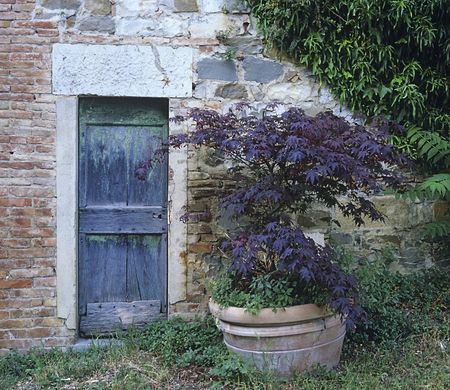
[(266, 316)]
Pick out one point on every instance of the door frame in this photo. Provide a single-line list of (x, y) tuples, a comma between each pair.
[(67, 213)]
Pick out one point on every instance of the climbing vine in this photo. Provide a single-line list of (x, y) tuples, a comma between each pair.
[(386, 58)]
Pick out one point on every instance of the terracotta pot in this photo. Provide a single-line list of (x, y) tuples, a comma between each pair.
[(284, 341)]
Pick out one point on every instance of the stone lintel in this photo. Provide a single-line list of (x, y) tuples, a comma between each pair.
[(122, 70)]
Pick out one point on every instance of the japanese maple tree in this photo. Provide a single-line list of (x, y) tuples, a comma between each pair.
[(282, 165)]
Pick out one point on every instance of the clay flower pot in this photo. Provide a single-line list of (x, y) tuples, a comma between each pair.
[(290, 340)]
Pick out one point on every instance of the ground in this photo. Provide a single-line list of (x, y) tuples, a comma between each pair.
[(420, 362)]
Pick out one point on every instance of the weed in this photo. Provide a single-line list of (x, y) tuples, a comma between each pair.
[(230, 54), (224, 35), (179, 342), (398, 306)]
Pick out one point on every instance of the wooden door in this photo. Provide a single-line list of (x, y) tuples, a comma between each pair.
[(122, 271)]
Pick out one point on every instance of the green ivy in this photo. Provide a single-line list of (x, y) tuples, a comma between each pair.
[(386, 58)]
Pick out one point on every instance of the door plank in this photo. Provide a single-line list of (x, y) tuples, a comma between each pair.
[(108, 317), (106, 180), (145, 267), (103, 268), (145, 144), (149, 220), (124, 111)]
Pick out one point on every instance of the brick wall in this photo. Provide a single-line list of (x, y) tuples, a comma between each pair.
[(27, 184), (28, 29)]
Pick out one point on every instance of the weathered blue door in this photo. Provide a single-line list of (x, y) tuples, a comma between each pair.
[(122, 269)]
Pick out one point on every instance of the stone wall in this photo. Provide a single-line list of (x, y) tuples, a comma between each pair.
[(228, 66)]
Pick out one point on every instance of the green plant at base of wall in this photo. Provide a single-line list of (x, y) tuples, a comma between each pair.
[(398, 306)]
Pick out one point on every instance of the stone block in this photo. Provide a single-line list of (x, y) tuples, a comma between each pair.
[(315, 219), (185, 5), (441, 210), (198, 193), (163, 26), (208, 26), (290, 92), (226, 6), (98, 7), (135, 26), (246, 45), (135, 8), (236, 6), (317, 237), (123, 70), (210, 158), (61, 4), (412, 256), (200, 228), (200, 247), (70, 21), (198, 176), (204, 90), (261, 71), (213, 6), (232, 91), (214, 69), (342, 238), (171, 26), (380, 240), (102, 24)]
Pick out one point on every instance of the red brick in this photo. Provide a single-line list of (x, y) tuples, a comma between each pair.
[(19, 283), (43, 262), (33, 313), (16, 222), (14, 324), (33, 232), (32, 272), (43, 242), (44, 292), (31, 252), (31, 333), (37, 23), (20, 303), (31, 192), (48, 281), (17, 165), (11, 202), (15, 243), (23, 7), (16, 343), (14, 263)]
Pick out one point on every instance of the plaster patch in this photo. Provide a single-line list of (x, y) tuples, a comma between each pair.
[(125, 70)]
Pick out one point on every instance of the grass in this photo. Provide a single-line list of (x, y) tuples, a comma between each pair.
[(420, 362), (404, 345)]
